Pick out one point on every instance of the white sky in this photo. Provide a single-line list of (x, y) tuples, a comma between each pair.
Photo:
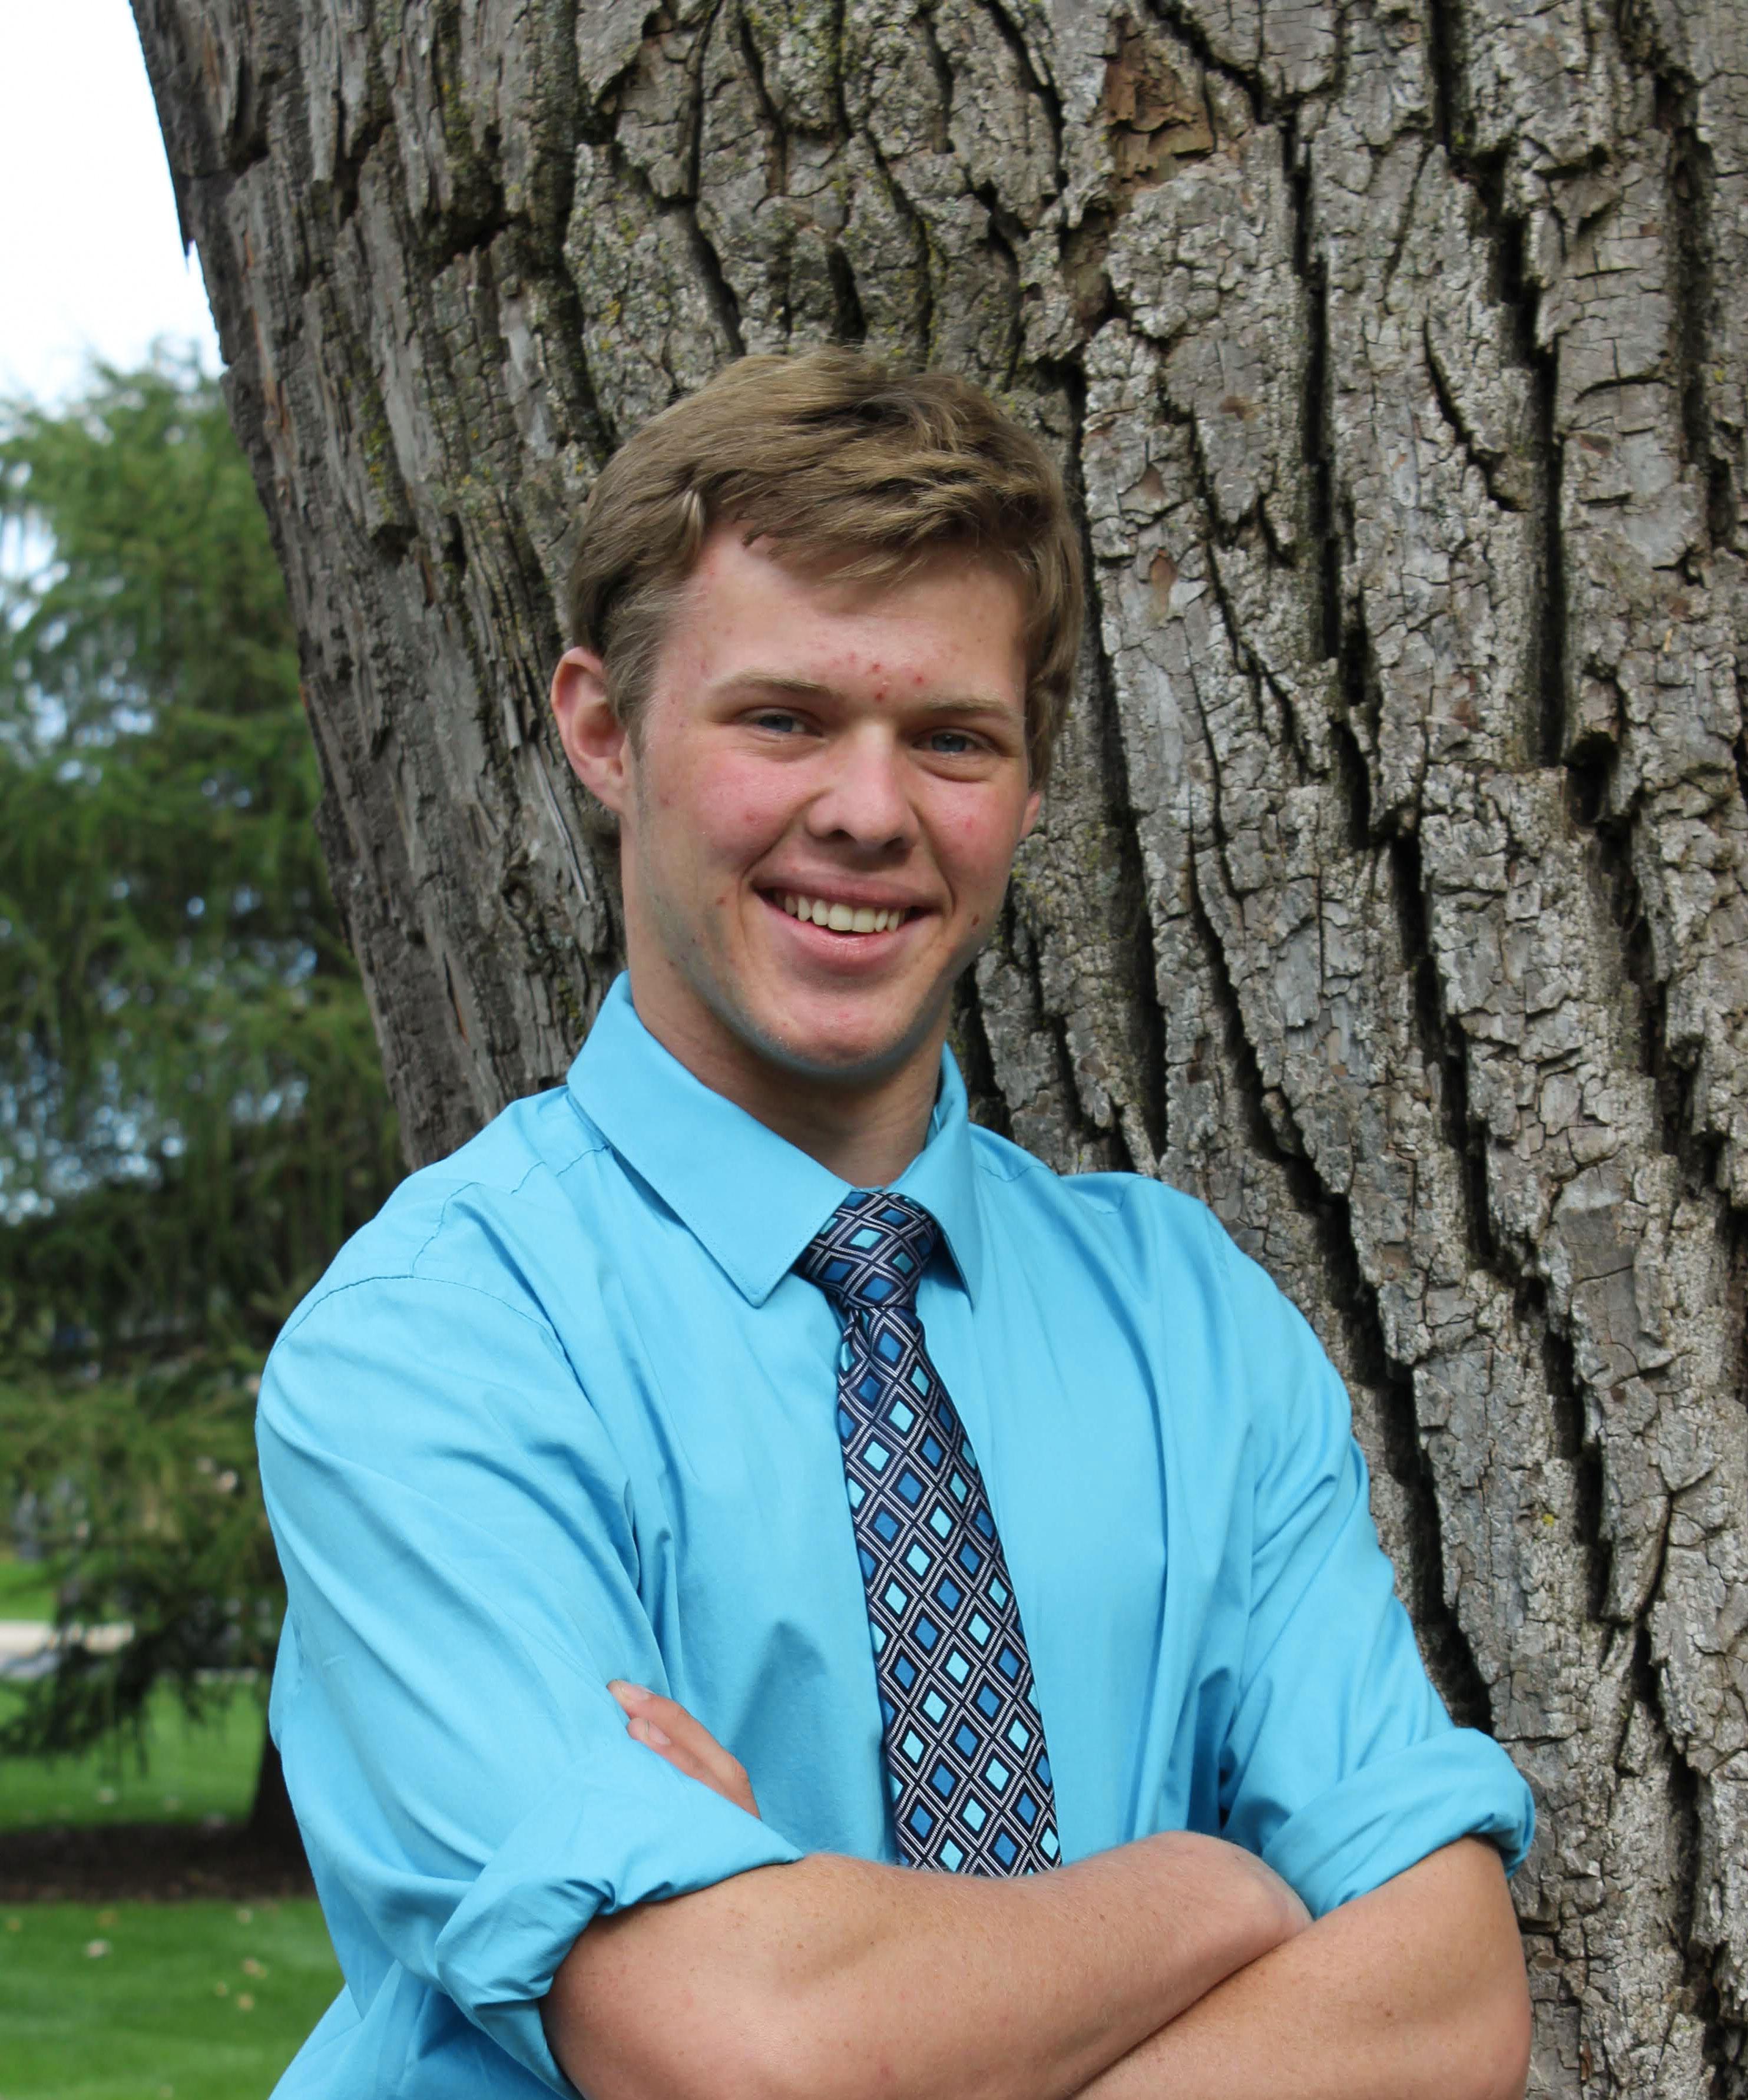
[(90, 259)]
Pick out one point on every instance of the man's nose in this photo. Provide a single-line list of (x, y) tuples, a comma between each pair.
[(865, 798)]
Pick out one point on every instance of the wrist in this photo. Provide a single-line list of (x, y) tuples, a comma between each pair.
[(1221, 1907)]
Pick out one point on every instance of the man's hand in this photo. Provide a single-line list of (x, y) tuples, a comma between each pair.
[(687, 1745)]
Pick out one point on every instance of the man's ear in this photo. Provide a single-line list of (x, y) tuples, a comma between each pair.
[(1034, 803), (594, 737)]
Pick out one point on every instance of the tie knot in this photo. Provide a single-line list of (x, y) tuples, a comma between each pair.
[(870, 1254)]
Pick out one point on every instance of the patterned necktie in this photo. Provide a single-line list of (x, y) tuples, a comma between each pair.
[(966, 1766)]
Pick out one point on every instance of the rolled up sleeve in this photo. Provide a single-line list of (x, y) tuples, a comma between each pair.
[(1341, 1768), (460, 1562)]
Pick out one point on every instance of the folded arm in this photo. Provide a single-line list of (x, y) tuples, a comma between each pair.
[(835, 1976), (1177, 1965), (1416, 1992)]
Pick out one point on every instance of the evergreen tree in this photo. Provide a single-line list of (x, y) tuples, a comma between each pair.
[(192, 1112)]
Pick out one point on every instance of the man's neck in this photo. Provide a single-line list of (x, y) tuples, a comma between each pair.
[(868, 1142), (866, 1132)]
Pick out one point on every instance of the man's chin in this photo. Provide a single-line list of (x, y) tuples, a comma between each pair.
[(832, 1062), (829, 1053)]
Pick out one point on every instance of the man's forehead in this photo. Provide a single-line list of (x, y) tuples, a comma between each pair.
[(948, 600), (852, 573)]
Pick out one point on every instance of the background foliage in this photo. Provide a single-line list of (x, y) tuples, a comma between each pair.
[(192, 1112)]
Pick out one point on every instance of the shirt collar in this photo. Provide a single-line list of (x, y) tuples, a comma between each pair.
[(752, 1198)]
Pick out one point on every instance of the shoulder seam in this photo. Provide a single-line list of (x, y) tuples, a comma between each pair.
[(995, 1166), (318, 1302), (593, 1143), (503, 1190), (1004, 1160), (436, 1229)]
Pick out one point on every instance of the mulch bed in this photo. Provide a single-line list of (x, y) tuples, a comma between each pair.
[(146, 1863)]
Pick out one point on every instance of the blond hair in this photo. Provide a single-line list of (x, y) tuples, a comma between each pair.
[(829, 453)]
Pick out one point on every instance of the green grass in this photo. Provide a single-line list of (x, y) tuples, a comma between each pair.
[(157, 2002), (25, 1593), (149, 2001), (191, 1772)]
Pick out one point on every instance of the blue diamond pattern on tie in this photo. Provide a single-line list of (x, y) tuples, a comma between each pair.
[(967, 1765)]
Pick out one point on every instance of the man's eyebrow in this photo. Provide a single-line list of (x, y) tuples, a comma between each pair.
[(810, 689), (776, 681), (969, 704)]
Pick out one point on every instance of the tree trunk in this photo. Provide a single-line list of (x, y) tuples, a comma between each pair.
[(1392, 890)]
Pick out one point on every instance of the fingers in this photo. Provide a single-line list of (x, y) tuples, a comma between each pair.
[(648, 1733), (666, 1727), (669, 1720)]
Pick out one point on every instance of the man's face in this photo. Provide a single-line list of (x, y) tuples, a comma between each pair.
[(819, 811)]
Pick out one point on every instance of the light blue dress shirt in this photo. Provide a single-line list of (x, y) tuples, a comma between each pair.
[(563, 1413)]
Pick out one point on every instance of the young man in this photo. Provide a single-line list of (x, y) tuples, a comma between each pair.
[(732, 1482)]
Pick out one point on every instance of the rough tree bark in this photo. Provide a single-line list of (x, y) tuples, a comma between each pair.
[(1392, 893)]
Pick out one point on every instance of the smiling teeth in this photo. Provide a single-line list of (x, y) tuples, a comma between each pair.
[(843, 918)]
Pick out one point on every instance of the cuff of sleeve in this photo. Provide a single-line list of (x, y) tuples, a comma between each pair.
[(1389, 1815), (591, 1845)]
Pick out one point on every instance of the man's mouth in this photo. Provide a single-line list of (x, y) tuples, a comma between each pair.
[(840, 917)]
